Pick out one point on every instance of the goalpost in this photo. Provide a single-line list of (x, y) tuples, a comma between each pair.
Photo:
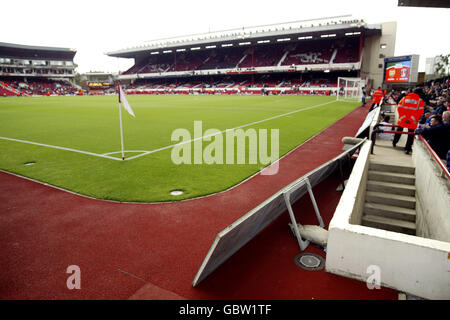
[(349, 89)]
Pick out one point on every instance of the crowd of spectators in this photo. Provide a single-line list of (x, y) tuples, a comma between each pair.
[(318, 84), (42, 87), (434, 124), (263, 85)]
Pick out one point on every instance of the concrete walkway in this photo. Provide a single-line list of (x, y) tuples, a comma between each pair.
[(384, 152)]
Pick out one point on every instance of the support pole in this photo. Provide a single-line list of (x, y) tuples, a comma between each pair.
[(342, 175), (313, 200), (303, 244)]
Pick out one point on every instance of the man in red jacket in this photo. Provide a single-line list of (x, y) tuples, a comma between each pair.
[(377, 96), (409, 109)]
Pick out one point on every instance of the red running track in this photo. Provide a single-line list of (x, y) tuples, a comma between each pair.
[(153, 251)]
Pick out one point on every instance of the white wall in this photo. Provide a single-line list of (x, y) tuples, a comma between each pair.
[(432, 196), (410, 264)]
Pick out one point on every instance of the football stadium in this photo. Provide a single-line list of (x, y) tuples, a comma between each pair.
[(261, 163)]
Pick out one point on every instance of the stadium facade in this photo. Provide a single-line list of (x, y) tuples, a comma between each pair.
[(35, 61), (304, 55)]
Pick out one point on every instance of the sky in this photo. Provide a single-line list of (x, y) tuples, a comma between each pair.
[(99, 26)]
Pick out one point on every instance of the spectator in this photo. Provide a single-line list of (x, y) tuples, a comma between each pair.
[(447, 104), (437, 135), (424, 119), (446, 117), (441, 106), (448, 160), (363, 98), (385, 136), (400, 97)]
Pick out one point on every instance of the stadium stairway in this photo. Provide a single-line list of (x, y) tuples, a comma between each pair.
[(390, 198), (390, 193), (6, 90), (283, 58)]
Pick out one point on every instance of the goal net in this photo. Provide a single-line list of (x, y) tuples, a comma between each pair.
[(349, 89)]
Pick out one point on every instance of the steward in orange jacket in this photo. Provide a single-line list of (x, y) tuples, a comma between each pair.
[(409, 109), (377, 96)]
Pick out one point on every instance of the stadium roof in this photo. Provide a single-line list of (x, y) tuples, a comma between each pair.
[(294, 29), (12, 50), (424, 3)]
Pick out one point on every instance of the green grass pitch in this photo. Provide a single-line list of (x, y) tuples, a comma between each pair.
[(91, 124)]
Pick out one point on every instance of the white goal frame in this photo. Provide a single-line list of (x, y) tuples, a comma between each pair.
[(349, 89)]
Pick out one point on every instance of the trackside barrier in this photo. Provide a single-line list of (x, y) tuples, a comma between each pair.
[(369, 123), (235, 236)]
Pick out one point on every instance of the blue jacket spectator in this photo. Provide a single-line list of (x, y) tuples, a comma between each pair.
[(440, 107), (437, 136), (448, 160)]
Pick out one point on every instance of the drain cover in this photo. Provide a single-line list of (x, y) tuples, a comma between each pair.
[(309, 261), (176, 192)]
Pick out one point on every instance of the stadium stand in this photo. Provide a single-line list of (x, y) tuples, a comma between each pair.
[(33, 70), (303, 57), (269, 55), (5, 91), (311, 83)]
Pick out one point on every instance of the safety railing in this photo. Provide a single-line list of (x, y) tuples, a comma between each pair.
[(433, 154), (376, 130), (445, 172)]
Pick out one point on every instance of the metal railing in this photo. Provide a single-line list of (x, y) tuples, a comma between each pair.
[(445, 172), (438, 160), (376, 130)]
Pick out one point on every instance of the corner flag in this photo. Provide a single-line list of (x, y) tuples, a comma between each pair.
[(124, 101)]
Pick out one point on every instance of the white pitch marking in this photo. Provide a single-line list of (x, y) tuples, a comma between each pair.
[(109, 153), (106, 155), (61, 148)]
